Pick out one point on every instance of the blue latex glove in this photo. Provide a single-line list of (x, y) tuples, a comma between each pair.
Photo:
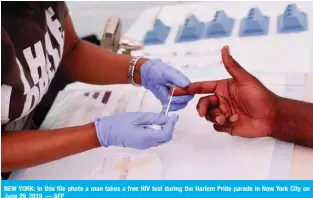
[(131, 130), (156, 76)]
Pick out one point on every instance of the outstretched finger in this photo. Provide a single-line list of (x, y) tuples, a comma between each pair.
[(196, 88)]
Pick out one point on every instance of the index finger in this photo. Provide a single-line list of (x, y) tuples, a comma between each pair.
[(196, 88)]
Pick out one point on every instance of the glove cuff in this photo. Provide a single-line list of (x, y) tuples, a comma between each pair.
[(103, 132)]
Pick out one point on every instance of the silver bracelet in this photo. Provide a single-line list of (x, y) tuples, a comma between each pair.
[(131, 70)]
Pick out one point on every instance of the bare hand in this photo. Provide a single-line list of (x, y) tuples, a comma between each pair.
[(240, 106)]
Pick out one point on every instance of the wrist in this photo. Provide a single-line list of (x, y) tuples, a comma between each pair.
[(93, 139), (137, 71), (275, 116), (293, 122), (102, 130)]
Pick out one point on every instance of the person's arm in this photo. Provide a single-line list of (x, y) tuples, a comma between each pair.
[(21, 149), (293, 122), (85, 62)]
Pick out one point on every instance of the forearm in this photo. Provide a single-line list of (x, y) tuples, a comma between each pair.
[(22, 149), (293, 122), (92, 64)]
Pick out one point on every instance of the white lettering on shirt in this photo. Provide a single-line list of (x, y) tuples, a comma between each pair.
[(5, 103), (42, 70)]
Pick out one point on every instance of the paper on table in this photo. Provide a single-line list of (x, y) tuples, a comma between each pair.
[(129, 166), (73, 108), (198, 152)]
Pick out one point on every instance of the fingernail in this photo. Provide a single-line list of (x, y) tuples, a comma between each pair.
[(233, 118), (217, 120), (220, 120)]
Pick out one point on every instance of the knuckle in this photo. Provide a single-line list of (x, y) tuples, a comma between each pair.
[(215, 112), (216, 128), (208, 117), (197, 88), (231, 132), (201, 100)]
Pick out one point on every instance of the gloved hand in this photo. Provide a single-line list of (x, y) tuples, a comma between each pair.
[(156, 76), (131, 130)]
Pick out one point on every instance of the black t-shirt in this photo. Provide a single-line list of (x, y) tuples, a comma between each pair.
[(32, 41)]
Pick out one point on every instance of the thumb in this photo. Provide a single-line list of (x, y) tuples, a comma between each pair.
[(238, 73)]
